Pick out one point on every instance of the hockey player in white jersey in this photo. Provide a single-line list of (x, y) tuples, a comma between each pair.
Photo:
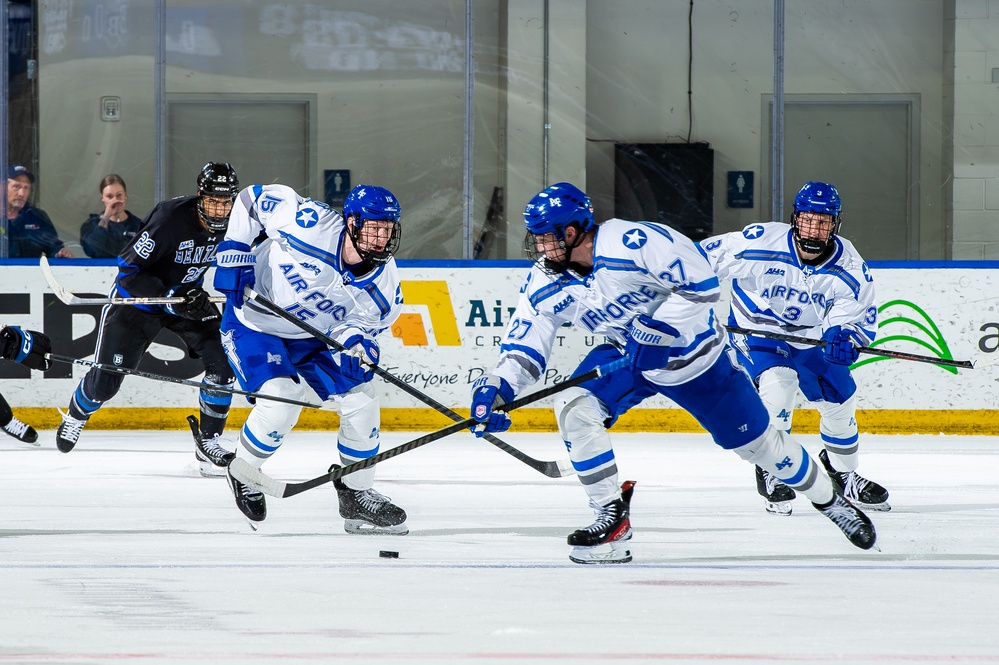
[(649, 291), (338, 274), (803, 279)]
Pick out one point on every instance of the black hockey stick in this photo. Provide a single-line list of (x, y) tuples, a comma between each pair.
[(556, 469), (244, 472), (862, 349), (172, 379)]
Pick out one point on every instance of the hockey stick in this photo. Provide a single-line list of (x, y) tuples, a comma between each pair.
[(967, 364), (556, 469), (171, 379), (70, 298), (244, 472)]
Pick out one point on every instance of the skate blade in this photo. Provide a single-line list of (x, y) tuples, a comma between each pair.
[(360, 527), (782, 508), (616, 552), (209, 470), (882, 507)]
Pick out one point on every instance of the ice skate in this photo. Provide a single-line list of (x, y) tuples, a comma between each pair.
[(856, 488), (368, 512), (776, 495), (605, 541), (249, 501), (854, 524), (212, 458), (69, 432), (21, 431)]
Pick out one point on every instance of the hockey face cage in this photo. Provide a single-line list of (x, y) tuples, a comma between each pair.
[(818, 198), (552, 211), (375, 230), (218, 186), (369, 234)]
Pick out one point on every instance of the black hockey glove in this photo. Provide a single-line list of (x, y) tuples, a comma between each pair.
[(27, 347), (196, 307)]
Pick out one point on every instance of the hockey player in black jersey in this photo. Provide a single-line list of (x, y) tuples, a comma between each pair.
[(169, 257)]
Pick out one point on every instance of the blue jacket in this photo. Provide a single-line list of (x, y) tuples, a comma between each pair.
[(32, 234), (106, 243)]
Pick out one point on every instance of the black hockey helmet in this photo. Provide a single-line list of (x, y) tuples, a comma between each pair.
[(217, 180)]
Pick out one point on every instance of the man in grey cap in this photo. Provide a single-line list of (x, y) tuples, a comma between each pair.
[(29, 230)]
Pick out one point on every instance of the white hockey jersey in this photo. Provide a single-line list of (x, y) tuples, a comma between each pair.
[(299, 267), (773, 290), (638, 268)]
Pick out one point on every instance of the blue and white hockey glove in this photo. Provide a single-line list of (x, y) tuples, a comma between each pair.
[(234, 270), (357, 362), (839, 348), (489, 393), (27, 347), (649, 342)]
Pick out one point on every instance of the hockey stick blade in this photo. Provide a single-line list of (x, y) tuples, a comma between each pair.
[(899, 355), (556, 469), (70, 298), (255, 478)]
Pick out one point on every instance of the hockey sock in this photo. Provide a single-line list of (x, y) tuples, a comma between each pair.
[(580, 416), (6, 414), (782, 456), (214, 405), (270, 421), (358, 437), (82, 407), (838, 427)]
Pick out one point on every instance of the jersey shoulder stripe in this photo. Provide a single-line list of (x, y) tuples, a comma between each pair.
[(326, 257)]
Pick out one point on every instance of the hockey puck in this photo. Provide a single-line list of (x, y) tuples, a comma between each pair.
[(388, 554)]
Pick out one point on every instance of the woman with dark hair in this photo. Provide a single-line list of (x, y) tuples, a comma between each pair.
[(104, 235)]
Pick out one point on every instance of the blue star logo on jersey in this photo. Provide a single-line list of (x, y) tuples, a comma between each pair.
[(307, 218), (754, 231), (634, 239)]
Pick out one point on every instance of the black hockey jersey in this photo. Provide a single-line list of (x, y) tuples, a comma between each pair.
[(170, 254)]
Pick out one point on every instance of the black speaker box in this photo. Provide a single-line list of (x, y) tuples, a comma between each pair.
[(668, 183)]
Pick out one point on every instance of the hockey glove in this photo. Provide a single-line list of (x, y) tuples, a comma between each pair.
[(649, 343), (839, 348), (196, 306), (356, 363), (489, 393), (234, 271), (27, 347)]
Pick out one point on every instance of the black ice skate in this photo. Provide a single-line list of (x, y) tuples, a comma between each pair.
[(69, 432), (776, 495), (851, 520), (21, 431), (368, 512), (604, 541), (249, 501), (856, 488), (212, 458)]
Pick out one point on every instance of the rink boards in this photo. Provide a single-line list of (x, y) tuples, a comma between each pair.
[(452, 324)]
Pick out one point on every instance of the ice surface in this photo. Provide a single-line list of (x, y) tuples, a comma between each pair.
[(120, 552)]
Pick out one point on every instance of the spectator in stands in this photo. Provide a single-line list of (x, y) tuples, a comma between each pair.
[(29, 229), (104, 235)]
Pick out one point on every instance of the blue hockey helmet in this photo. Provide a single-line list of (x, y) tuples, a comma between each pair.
[(556, 207), (369, 203), (818, 198), (553, 210)]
